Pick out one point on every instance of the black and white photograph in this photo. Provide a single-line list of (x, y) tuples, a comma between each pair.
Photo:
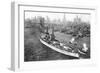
[(51, 35)]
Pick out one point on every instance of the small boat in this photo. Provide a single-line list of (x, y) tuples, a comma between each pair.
[(65, 52)]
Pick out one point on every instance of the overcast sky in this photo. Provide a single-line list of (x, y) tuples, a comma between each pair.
[(57, 16)]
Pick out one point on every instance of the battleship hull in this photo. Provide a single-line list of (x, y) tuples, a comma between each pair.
[(64, 54)]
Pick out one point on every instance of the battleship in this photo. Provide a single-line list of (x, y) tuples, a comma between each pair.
[(69, 48)]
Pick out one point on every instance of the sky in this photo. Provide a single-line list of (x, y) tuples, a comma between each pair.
[(53, 16)]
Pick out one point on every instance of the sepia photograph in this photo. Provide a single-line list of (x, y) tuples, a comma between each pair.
[(52, 35)]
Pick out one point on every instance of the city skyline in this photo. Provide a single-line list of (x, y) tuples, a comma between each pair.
[(57, 16)]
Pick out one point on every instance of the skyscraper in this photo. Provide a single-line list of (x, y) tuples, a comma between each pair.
[(64, 19)]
